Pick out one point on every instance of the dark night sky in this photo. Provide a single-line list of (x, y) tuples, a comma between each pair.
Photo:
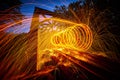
[(28, 5), (27, 9)]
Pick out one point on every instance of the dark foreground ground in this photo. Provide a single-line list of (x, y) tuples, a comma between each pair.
[(96, 68)]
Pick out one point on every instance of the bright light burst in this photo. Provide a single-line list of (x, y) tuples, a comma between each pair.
[(72, 36), (55, 43), (55, 38), (52, 44)]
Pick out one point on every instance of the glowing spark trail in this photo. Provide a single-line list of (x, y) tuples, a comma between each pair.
[(74, 36), (52, 48)]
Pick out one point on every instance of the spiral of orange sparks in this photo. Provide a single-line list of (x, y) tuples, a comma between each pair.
[(74, 36), (77, 37)]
